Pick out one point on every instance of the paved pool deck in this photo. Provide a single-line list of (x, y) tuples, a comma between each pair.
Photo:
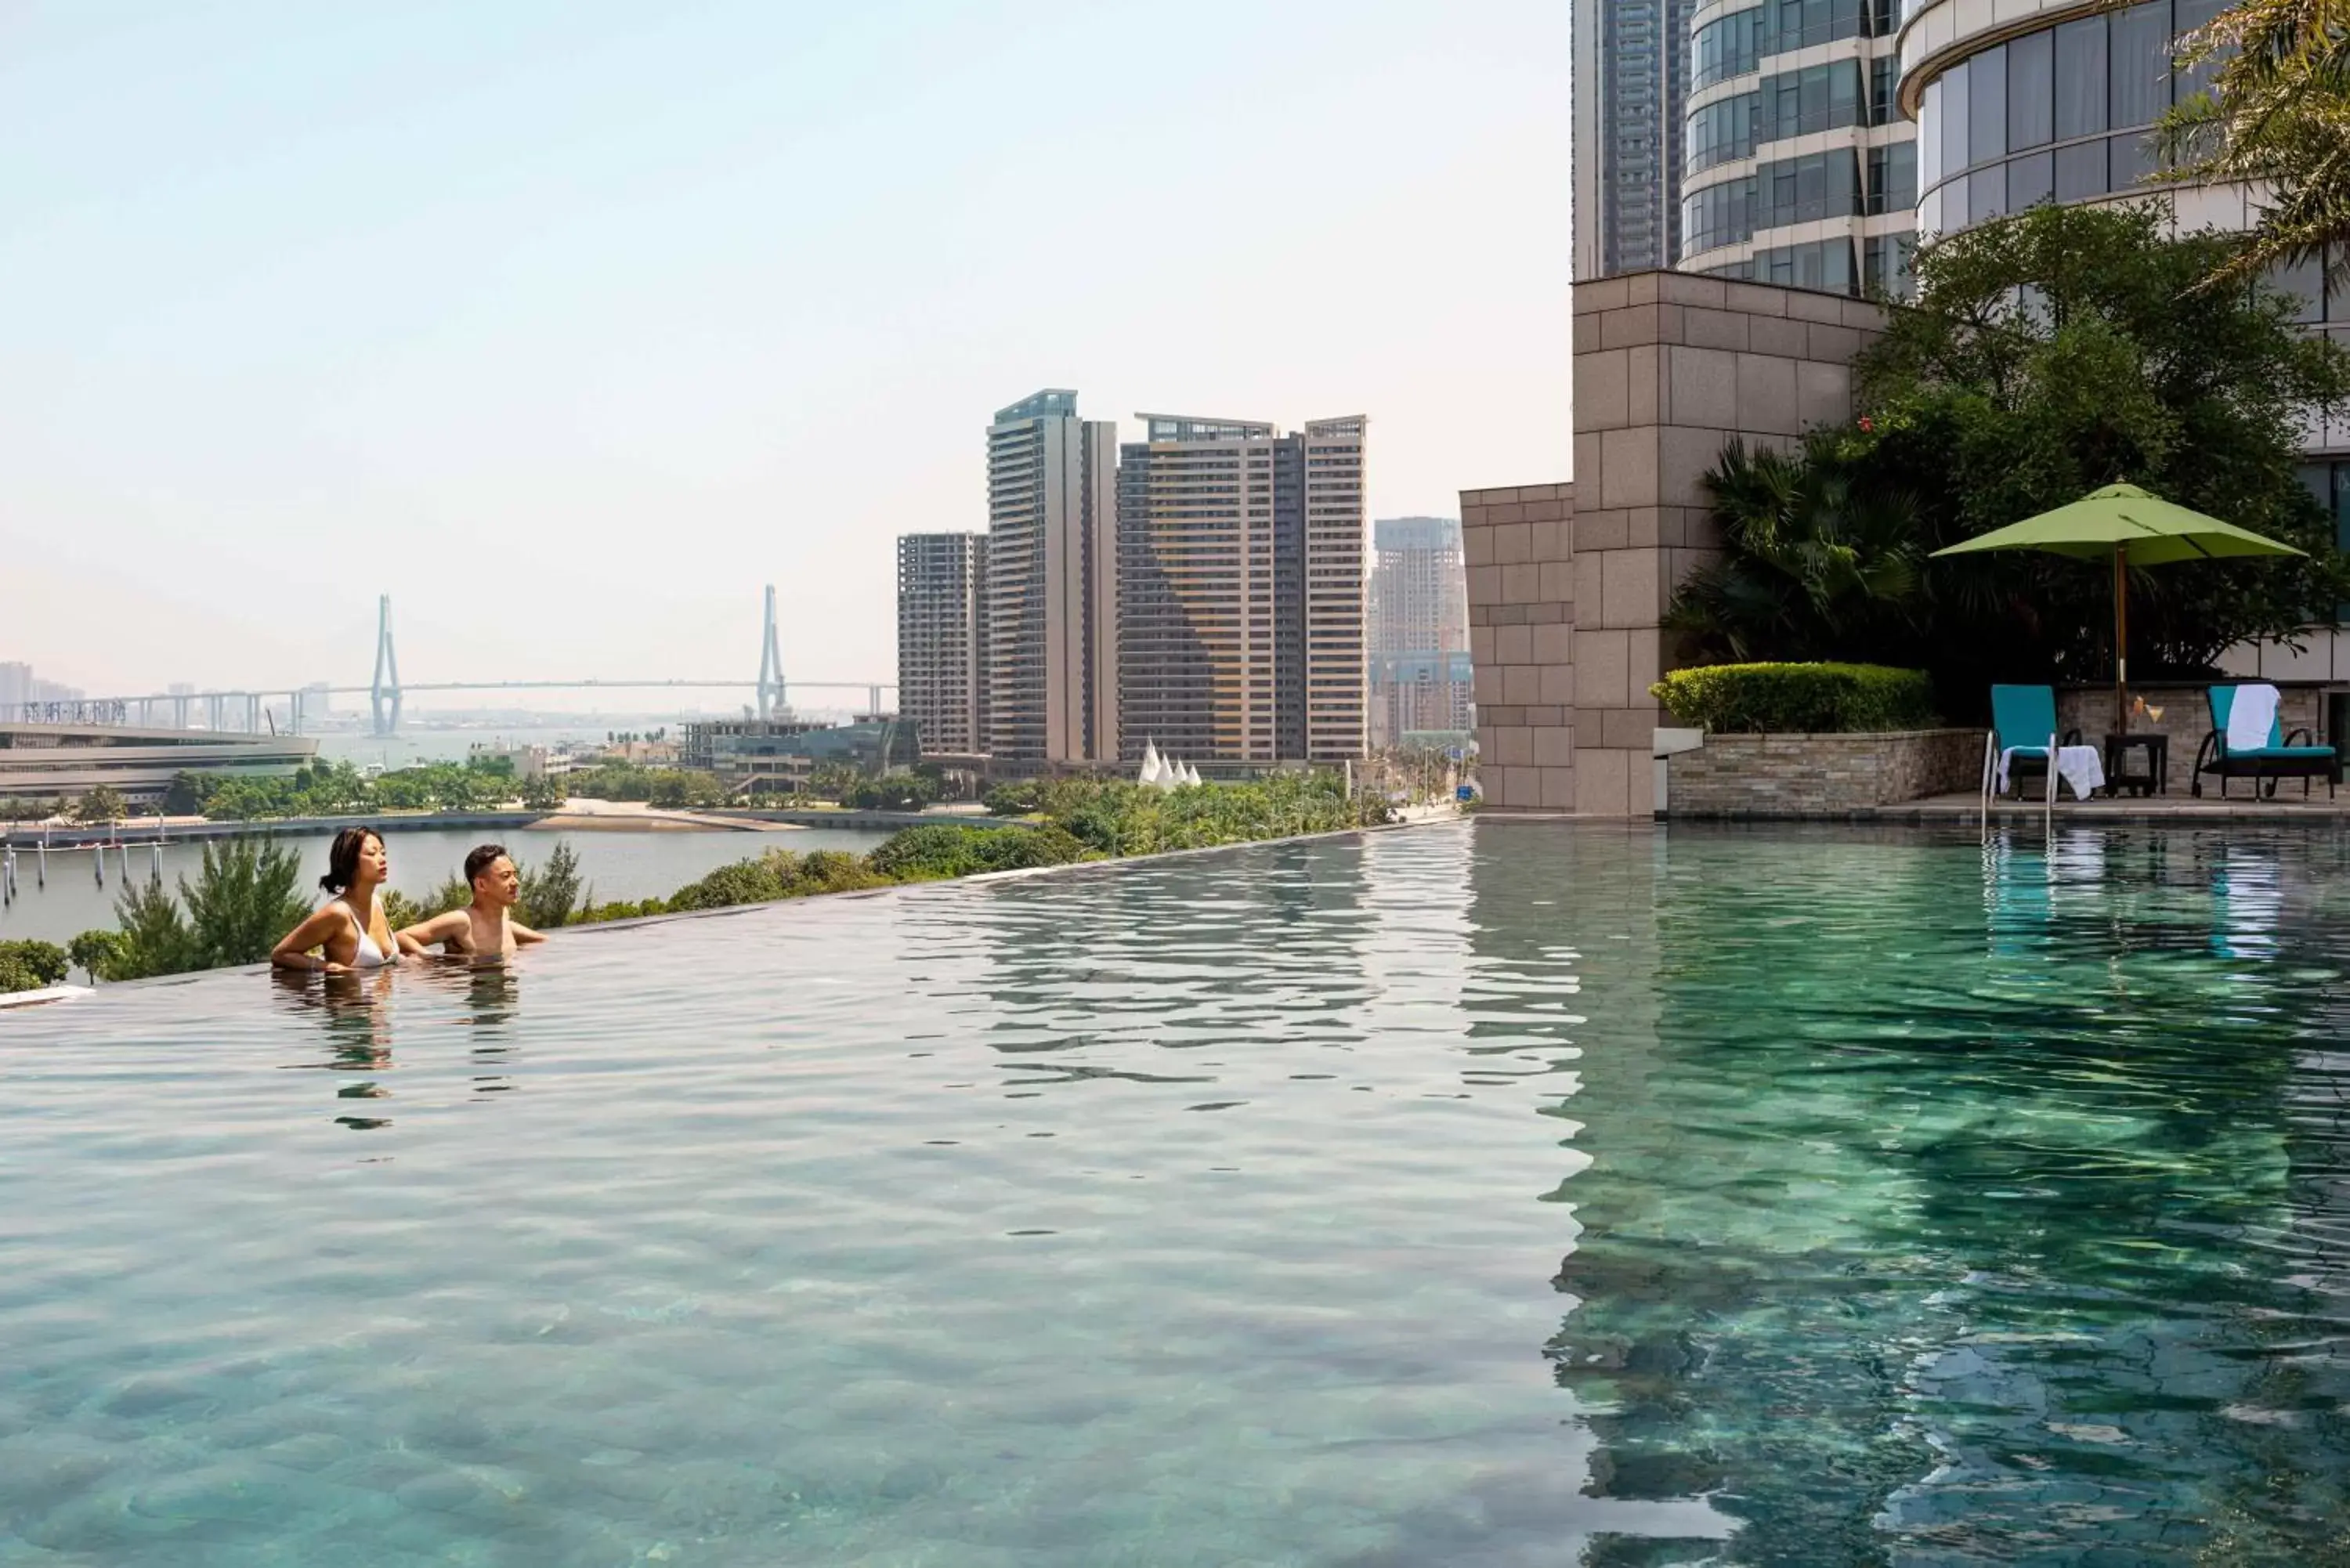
[(2240, 803)]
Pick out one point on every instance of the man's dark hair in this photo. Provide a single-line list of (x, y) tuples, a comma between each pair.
[(480, 860)]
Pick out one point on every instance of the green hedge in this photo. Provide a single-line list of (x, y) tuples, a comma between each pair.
[(1795, 699), (31, 965)]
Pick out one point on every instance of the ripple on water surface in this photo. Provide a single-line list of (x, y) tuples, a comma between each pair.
[(1500, 1196)]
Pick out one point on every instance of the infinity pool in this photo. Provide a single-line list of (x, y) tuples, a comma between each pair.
[(1463, 1197)]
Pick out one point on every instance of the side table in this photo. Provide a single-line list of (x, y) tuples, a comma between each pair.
[(2157, 776)]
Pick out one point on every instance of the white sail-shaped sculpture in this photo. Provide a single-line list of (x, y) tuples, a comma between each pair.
[(1152, 768), (1190, 775), (1170, 775)]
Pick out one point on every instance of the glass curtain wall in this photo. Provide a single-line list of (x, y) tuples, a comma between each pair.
[(2062, 114), (1783, 99)]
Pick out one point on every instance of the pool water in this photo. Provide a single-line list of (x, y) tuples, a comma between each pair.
[(1462, 1196)]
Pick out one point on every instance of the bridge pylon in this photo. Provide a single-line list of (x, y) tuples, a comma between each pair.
[(773, 701), (383, 695)]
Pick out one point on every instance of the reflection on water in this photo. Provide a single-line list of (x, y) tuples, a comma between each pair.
[(1891, 1253), (356, 1013), (1508, 1196)]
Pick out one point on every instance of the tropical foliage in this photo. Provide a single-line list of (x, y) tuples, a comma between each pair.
[(777, 874), (31, 965), (669, 788), (1785, 699), (101, 804), (940, 850), (894, 791), (94, 951), (333, 789), (2049, 354), (245, 897), (1818, 562), (2275, 116)]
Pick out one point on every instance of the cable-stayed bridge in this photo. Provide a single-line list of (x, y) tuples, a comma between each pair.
[(248, 709)]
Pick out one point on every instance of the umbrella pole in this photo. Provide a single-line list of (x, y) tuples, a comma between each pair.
[(2121, 644)]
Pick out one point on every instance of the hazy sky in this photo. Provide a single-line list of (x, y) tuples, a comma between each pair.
[(570, 325)]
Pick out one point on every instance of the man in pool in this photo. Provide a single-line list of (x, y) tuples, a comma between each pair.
[(485, 928)]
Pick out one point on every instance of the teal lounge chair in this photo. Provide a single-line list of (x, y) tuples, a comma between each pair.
[(2285, 757), (2024, 719)]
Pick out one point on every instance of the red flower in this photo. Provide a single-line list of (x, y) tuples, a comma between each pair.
[(1867, 423)]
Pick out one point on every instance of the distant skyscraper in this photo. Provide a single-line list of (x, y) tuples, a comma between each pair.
[(1419, 622), (1051, 582), (1631, 86), (1241, 590), (15, 688), (1420, 590), (941, 639)]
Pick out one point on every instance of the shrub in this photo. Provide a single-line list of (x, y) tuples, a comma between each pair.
[(743, 882), (1797, 698), (245, 896), (31, 965), (619, 909), (893, 792), (938, 850), (827, 871), (1015, 797), (101, 804), (155, 935), (98, 952), (549, 892)]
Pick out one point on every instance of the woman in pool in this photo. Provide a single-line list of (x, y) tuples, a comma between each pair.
[(348, 930)]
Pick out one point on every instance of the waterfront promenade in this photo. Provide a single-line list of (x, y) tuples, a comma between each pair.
[(579, 815)]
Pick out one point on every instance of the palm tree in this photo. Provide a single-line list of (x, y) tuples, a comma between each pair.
[(2275, 117), (1814, 566)]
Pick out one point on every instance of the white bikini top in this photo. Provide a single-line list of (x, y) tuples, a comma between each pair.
[(370, 956)]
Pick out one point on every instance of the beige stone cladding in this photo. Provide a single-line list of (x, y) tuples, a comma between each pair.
[(1821, 776), (1518, 548), (1669, 370)]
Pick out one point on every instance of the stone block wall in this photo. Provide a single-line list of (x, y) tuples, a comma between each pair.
[(2185, 717), (1518, 546), (1821, 776), (1669, 368)]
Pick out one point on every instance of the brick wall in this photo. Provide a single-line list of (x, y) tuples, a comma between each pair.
[(1821, 776), (1518, 546)]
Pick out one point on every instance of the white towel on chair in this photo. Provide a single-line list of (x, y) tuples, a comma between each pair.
[(2250, 717), (2079, 766), (2083, 769)]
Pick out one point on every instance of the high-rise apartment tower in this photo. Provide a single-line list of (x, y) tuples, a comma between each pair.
[(1802, 169), (1631, 89), (941, 639), (1051, 582), (1419, 587), (1241, 590), (1418, 624)]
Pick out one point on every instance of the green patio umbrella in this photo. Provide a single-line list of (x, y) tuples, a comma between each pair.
[(2135, 529)]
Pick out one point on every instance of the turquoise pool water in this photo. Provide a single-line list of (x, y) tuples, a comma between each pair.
[(1492, 1196)]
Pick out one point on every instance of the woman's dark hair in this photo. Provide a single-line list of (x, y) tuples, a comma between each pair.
[(343, 857)]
